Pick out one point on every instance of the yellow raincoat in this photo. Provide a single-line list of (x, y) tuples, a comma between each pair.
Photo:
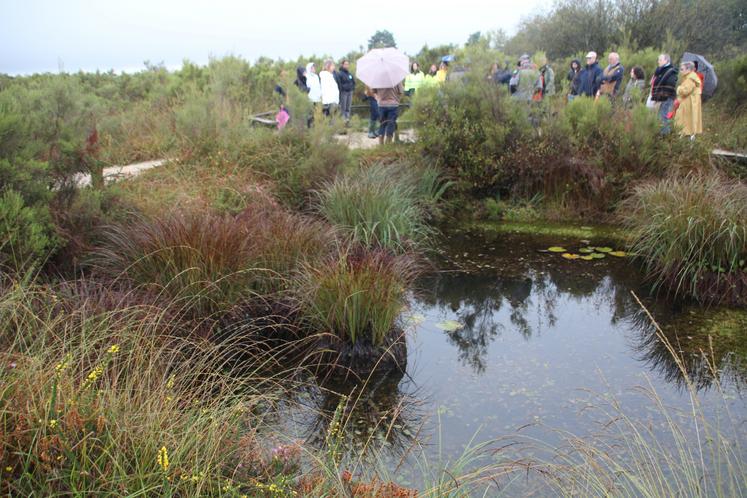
[(689, 115)]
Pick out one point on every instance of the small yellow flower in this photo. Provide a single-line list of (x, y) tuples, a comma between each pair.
[(113, 349), (8, 469), (53, 424), (163, 458), (170, 381), (62, 366)]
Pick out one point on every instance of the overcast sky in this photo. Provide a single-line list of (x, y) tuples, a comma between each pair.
[(44, 35)]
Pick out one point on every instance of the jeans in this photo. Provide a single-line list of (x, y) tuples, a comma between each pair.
[(346, 102), (664, 109), (388, 117)]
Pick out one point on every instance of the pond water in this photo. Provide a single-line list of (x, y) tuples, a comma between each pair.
[(503, 338)]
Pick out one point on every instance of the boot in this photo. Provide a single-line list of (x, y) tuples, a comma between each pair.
[(372, 129)]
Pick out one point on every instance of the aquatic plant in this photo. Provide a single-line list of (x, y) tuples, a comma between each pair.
[(691, 233), (376, 206), (356, 294)]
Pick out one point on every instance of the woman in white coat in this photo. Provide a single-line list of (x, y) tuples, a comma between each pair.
[(330, 90), (313, 82)]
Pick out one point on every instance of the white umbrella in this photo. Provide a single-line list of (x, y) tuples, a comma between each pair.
[(382, 67)]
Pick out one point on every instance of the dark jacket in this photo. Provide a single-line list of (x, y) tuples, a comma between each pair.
[(573, 77), (301, 80), (345, 80), (589, 80), (664, 83)]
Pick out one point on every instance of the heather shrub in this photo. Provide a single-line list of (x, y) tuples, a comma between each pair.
[(26, 234)]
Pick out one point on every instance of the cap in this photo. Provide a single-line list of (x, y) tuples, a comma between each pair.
[(591, 54)]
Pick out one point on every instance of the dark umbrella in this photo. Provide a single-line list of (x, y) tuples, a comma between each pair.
[(710, 80)]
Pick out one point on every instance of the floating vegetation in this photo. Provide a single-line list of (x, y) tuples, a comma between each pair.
[(450, 325), (587, 253)]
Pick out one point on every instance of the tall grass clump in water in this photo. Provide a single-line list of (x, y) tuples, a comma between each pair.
[(376, 206), (692, 235), (358, 294)]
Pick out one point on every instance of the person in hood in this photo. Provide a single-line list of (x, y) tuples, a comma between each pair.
[(664, 90), (314, 84), (590, 77), (634, 88), (612, 77), (572, 78), (301, 79), (689, 116), (330, 90), (346, 85)]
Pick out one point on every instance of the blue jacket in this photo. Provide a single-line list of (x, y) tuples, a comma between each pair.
[(589, 80)]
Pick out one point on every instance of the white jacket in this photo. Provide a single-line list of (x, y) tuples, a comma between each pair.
[(330, 90), (315, 87)]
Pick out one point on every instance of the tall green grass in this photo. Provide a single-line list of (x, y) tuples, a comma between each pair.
[(356, 294), (692, 234), (380, 206)]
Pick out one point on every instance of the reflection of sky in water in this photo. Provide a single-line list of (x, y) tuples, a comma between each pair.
[(540, 336)]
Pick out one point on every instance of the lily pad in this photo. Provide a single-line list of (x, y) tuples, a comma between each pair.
[(450, 325), (557, 249), (598, 255), (568, 255), (588, 257), (619, 254), (603, 249), (586, 250)]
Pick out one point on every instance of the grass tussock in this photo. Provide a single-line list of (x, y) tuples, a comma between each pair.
[(357, 294), (692, 235), (381, 206)]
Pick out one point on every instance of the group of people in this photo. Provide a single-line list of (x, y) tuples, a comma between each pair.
[(530, 81), (671, 100), (331, 88)]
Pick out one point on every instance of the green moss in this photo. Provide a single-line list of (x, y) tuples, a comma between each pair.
[(581, 232)]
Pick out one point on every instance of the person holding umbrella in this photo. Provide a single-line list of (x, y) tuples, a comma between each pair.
[(688, 110), (383, 70)]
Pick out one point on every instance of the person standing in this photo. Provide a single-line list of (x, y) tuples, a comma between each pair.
[(346, 85), (301, 80), (547, 77), (373, 107), (634, 88), (590, 76), (414, 80), (664, 90), (430, 78), (330, 90), (612, 77), (443, 72), (689, 115), (313, 83), (528, 82), (572, 78), (388, 100)]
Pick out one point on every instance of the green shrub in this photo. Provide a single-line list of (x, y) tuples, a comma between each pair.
[(26, 233), (467, 127), (356, 294), (692, 234), (377, 206)]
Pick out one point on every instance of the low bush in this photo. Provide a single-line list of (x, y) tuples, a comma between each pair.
[(378, 206), (467, 127), (356, 294), (26, 233), (692, 235)]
